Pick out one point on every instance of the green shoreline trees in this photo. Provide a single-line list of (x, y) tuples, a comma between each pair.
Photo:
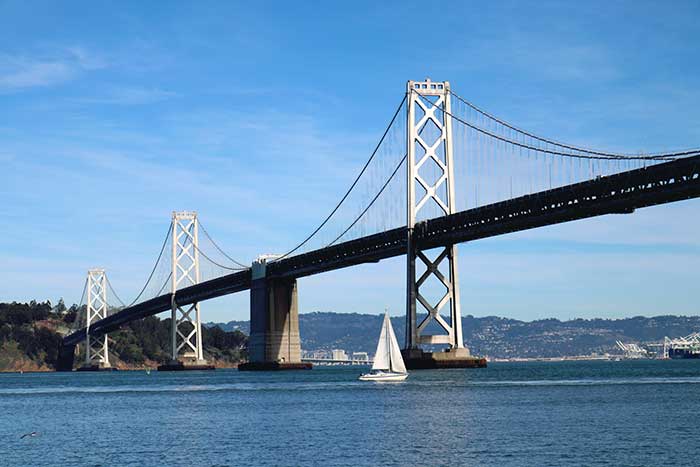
[(31, 335)]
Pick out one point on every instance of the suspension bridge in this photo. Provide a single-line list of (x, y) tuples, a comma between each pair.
[(444, 172)]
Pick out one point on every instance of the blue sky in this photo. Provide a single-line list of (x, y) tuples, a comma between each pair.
[(258, 116)]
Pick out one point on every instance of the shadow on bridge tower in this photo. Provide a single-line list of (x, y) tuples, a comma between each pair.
[(430, 185), (274, 323), (187, 351)]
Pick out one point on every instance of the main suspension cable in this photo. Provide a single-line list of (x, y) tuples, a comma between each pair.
[(220, 250), (167, 279), (79, 317), (82, 297), (371, 202), (109, 284), (215, 263), (150, 276), (347, 193), (659, 157), (553, 142)]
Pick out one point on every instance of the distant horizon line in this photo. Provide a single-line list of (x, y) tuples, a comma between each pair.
[(561, 320), (379, 315)]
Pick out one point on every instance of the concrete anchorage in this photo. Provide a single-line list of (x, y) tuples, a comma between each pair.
[(274, 323), (432, 146), (186, 327), (96, 348)]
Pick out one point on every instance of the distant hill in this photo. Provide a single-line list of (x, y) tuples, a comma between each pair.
[(31, 334), (493, 336)]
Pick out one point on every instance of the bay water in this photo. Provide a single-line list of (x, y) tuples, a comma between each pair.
[(595, 413)]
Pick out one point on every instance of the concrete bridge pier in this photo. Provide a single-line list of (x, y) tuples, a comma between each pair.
[(66, 358), (274, 323)]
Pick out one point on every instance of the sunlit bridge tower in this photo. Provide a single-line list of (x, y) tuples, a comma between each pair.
[(431, 189), (186, 327), (96, 348)]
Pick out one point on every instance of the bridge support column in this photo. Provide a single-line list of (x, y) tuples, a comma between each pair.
[(187, 351), (66, 358), (274, 323), (430, 171), (96, 348)]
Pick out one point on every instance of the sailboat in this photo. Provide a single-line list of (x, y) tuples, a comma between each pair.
[(388, 363)]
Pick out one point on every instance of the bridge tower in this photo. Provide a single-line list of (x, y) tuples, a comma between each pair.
[(186, 327), (429, 146), (96, 348)]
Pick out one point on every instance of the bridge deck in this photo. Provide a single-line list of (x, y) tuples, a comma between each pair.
[(616, 194)]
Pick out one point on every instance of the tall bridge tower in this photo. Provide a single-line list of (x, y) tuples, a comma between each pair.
[(96, 348), (431, 182), (186, 326)]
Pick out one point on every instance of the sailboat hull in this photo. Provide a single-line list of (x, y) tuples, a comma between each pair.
[(384, 377), (388, 363)]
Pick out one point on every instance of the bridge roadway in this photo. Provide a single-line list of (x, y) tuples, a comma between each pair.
[(615, 194)]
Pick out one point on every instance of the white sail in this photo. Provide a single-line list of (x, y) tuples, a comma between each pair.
[(388, 364), (397, 365), (388, 355), (382, 355)]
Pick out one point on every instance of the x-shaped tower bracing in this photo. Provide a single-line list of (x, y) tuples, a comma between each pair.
[(430, 146), (186, 335), (96, 351)]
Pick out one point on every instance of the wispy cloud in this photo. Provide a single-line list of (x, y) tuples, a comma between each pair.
[(87, 60), (536, 55), (130, 96), (24, 73), (19, 72)]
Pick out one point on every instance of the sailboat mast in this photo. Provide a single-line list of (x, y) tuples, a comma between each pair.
[(387, 323)]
